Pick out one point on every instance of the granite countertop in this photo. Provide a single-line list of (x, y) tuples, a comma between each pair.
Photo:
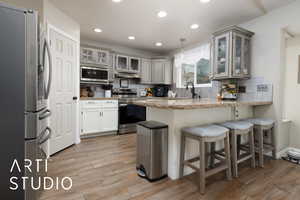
[(133, 98), (97, 98), (195, 103)]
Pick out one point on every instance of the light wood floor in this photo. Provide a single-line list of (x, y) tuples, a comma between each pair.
[(104, 168)]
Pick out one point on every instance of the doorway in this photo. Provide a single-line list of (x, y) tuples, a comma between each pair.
[(292, 89), (64, 80)]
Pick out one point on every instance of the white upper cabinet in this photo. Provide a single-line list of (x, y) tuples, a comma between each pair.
[(94, 56), (231, 49)]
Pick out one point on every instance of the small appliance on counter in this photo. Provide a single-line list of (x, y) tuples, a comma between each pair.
[(143, 93), (107, 90), (161, 91)]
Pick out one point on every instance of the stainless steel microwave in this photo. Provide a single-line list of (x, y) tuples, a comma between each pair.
[(95, 74)]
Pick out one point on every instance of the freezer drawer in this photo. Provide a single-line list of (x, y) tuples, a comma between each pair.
[(36, 123)]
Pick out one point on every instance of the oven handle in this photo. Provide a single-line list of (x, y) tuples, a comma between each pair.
[(45, 136), (123, 105), (45, 114)]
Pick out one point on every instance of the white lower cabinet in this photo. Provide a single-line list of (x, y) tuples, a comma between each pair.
[(109, 120), (99, 117)]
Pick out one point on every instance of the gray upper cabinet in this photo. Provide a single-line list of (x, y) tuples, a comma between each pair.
[(122, 63), (134, 64), (161, 71), (94, 56), (231, 49), (168, 75), (146, 71)]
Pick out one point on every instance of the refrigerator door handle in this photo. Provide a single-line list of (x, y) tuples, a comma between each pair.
[(47, 48), (45, 136), (45, 114)]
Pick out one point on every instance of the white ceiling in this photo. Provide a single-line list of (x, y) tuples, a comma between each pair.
[(138, 18)]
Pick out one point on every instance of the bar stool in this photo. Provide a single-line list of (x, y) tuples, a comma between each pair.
[(238, 129), (262, 126), (205, 135)]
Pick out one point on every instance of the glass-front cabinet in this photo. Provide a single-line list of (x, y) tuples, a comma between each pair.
[(221, 55), (94, 56), (231, 53), (134, 64), (122, 63), (237, 70)]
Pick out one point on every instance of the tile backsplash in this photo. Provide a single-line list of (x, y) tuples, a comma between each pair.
[(255, 88), (258, 89), (99, 92)]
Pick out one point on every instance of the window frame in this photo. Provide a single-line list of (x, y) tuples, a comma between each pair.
[(179, 82), (195, 77)]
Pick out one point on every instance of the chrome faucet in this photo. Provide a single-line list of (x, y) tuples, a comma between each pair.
[(192, 89)]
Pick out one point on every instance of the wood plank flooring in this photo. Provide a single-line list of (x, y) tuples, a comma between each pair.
[(104, 168)]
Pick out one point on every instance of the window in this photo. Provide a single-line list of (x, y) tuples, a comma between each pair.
[(193, 66)]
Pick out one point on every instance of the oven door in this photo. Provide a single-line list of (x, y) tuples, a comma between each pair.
[(94, 74), (130, 114)]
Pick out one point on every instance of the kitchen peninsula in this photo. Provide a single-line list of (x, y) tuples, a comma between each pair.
[(179, 113)]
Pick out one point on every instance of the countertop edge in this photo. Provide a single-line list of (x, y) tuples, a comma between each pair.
[(204, 106)]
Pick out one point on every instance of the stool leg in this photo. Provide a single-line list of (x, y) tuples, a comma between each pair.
[(202, 166), (260, 133), (252, 147), (273, 143), (212, 154), (182, 152), (228, 158), (207, 152), (234, 154), (239, 138)]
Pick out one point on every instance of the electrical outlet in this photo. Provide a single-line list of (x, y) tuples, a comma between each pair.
[(242, 89), (262, 88)]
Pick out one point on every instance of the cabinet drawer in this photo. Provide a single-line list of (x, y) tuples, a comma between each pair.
[(99, 104)]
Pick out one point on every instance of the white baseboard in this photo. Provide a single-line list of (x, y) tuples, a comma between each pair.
[(280, 153)]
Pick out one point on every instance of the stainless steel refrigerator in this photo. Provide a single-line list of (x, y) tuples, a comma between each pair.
[(25, 82)]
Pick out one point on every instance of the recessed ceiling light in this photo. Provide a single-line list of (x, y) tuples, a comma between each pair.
[(97, 30), (158, 44), (131, 38), (194, 26), (162, 14), (204, 1), (117, 1)]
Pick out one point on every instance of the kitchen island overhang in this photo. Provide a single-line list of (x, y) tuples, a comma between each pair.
[(192, 112)]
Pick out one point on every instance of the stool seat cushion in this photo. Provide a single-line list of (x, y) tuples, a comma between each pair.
[(206, 131), (261, 121), (238, 125)]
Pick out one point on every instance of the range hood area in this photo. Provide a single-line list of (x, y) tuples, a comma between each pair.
[(127, 75)]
